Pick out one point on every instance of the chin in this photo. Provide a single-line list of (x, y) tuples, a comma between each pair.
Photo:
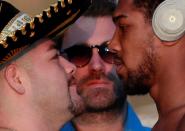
[(100, 102), (99, 99)]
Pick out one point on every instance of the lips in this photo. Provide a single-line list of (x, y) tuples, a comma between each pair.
[(93, 84), (97, 82)]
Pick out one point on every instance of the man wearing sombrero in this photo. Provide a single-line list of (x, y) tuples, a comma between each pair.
[(33, 75)]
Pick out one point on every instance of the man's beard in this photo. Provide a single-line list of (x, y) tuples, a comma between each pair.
[(102, 99), (76, 105), (139, 82)]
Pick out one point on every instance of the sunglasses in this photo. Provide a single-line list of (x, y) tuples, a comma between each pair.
[(81, 54)]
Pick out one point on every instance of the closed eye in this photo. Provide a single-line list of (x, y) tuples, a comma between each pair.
[(55, 55), (55, 51)]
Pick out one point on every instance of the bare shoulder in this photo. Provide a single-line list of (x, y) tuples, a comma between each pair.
[(181, 125)]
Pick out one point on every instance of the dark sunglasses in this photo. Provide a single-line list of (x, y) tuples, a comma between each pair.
[(81, 54)]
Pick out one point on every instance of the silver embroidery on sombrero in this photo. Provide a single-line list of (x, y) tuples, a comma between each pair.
[(16, 23)]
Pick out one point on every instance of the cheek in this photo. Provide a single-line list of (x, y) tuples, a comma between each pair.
[(109, 68), (81, 73), (133, 51), (74, 94)]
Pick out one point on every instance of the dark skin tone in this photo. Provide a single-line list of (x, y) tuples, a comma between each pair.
[(156, 65)]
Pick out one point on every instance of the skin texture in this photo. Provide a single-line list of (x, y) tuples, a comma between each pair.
[(150, 65), (34, 90), (98, 85)]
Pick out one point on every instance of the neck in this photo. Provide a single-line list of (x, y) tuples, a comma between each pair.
[(27, 120), (6, 129), (101, 121), (168, 90), (25, 123)]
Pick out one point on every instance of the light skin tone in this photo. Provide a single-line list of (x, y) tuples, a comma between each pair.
[(95, 88), (150, 63), (34, 90)]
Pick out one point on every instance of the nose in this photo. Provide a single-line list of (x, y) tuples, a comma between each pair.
[(114, 44), (96, 63), (69, 67)]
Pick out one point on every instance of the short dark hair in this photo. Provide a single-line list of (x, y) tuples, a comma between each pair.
[(98, 8), (148, 6), (101, 8)]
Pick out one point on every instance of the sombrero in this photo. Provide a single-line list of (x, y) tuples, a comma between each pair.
[(21, 25)]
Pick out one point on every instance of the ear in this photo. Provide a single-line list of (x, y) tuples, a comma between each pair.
[(13, 76)]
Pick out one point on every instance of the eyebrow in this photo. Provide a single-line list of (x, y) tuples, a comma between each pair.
[(52, 46), (118, 17)]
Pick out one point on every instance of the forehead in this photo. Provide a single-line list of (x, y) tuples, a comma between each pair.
[(89, 30), (44, 44), (41, 47), (124, 5), (37, 52), (129, 14)]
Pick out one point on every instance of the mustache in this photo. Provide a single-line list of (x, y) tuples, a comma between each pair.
[(93, 76), (111, 76)]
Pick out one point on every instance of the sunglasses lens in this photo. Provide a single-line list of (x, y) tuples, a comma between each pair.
[(79, 55), (108, 56)]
